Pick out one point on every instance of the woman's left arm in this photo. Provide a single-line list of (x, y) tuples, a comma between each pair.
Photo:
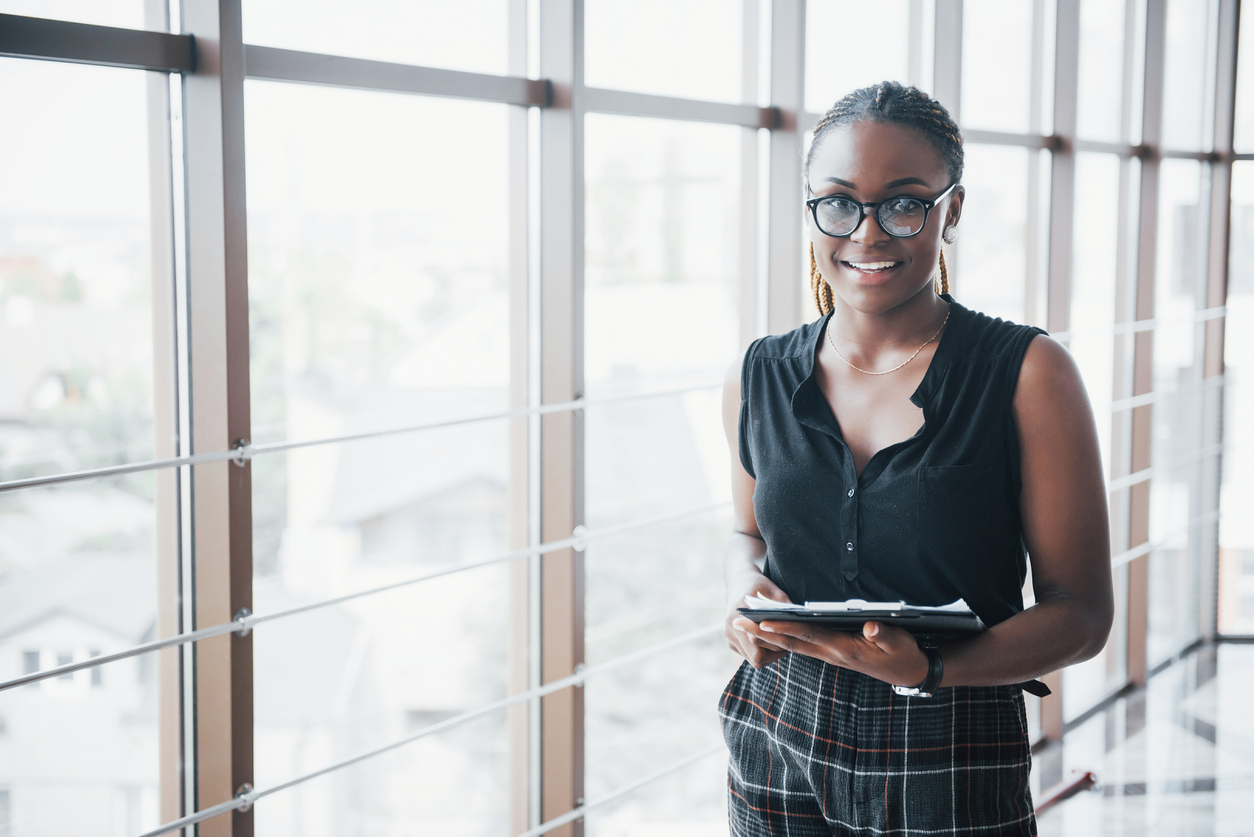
[(1066, 527), (1067, 530)]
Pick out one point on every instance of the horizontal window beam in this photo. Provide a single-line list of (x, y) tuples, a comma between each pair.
[(85, 43), (245, 621), (598, 100), (273, 64), (972, 135), (247, 798)]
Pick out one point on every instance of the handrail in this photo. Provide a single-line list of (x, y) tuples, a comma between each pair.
[(244, 451), (245, 621), (247, 798)]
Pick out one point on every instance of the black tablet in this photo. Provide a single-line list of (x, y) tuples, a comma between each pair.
[(928, 625)]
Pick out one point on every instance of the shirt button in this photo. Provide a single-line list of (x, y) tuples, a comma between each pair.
[(849, 546), (851, 492)]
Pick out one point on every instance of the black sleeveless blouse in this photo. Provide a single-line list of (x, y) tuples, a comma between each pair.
[(931, 519)]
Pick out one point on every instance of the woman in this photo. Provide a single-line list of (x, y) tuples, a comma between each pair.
[(902, 448)]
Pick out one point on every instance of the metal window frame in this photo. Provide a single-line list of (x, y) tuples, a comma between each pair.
[(213, 66)]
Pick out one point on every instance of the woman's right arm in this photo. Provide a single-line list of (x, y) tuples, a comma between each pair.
[(746, 551)]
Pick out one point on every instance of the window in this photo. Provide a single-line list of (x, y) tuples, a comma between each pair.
[(651, 47), (402, 380), (469, 35)]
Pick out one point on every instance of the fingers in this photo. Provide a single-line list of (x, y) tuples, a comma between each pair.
[(888, 639), (751, 645)]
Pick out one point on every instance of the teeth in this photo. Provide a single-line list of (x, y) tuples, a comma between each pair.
[(871, 265)]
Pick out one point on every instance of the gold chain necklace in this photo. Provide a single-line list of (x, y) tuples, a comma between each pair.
[(898, 366)]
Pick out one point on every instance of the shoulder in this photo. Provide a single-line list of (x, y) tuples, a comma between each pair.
[(992, 337), (1047, 372), (791, 345), (773, 351)]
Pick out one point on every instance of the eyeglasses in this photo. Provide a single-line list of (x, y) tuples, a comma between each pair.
[(900, 217)]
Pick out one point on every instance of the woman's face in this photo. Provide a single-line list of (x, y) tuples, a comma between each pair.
[(870, 270)]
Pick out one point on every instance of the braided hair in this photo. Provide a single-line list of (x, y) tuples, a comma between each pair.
[(889, 101)]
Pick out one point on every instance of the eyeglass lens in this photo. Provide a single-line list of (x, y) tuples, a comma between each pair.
[(898, 216)]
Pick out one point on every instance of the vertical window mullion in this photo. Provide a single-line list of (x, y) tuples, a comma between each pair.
[(561, 379), (220, 411)]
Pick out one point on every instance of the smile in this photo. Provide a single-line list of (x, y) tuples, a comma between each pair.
[(870, 267)]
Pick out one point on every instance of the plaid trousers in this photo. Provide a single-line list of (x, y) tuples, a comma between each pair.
[(821, 750)]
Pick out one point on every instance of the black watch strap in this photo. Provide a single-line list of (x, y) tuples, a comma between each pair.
[(935, 671)]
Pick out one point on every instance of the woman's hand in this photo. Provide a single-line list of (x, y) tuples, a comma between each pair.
[(744, 643), (885, 653)]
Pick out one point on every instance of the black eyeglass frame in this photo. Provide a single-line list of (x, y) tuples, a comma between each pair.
[(865, 209)]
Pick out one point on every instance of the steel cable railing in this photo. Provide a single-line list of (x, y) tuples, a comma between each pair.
[(1137, 326), (1129, 555), (245, 452), (577, 813), (1158, 396), (245, 621), (247, 798), (1146, 473)]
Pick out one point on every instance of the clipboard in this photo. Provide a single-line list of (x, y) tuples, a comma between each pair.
[(928, 625)]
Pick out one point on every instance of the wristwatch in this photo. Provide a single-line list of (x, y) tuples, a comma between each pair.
[(935, 670)]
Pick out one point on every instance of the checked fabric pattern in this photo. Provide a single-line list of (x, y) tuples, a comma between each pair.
[(821, 750)]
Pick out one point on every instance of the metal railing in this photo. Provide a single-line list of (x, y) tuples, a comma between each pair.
[(246, 621), (248, 796), (245, 451)]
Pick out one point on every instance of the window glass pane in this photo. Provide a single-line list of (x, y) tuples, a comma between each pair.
[(78, 573), (338, 681), (1236, 528), (1093, 283), (989, 272), (646, 716), (75, 269), (1099, 103), (377, 259), (466, 35), (1243, 139), (662, 234), (1092, 346), (839, 60), (434, 785), (662, 252), (690, 49), (1175, 501), (128, 14), (1185, 76), (996, 65), (78, 562)]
